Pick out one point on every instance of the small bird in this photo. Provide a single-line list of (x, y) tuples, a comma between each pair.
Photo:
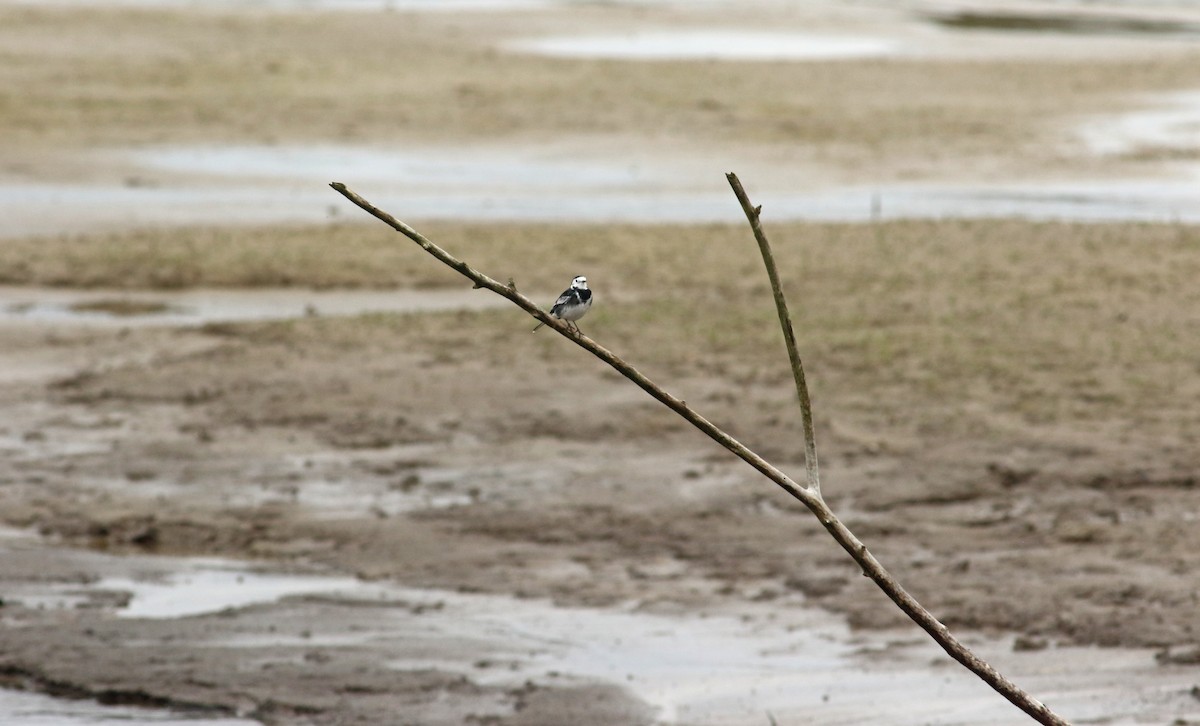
[(573, 304)]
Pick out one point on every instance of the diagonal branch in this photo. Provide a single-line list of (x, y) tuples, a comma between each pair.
[(789, 335), (810, 497), (510, 292)]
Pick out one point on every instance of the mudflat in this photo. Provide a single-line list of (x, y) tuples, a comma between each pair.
[(1004, 408)]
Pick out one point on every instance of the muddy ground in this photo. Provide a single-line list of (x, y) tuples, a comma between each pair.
[(1005, 410), (456, 451)]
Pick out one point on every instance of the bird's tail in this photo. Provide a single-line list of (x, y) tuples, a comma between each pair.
[(538, 326)]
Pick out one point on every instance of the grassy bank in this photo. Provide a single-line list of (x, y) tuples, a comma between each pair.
[(93, 76), (1042, 322)]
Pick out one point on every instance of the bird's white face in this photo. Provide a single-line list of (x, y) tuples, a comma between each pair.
[(579, 283)]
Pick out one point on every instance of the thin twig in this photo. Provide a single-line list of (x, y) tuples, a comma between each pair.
[(789, 334), (811, 498)]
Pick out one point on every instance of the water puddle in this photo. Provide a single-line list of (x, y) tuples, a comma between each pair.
[(1168, 125), (689, 667), (480, 168), (151, 587), (38, 576), (282, 184), (729, 664), (708, 45), (129, 308), (202, 586)]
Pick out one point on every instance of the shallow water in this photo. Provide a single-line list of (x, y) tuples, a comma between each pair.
[(720, 666), (593, 196), (104, 308), (688, 666), (155, 587), (273, 184), (209, 586), (725, 45), (457, 167), (1169, 123)]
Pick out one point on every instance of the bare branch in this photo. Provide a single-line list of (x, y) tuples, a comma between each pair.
[(678, 406), (810, 497), (789, 334)]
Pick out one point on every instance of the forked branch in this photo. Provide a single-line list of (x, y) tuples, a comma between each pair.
[(789, 335), (810, 496)]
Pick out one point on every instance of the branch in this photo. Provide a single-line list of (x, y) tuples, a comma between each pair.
[(810, 497), (677, 405), (871, 567), (789, 335)]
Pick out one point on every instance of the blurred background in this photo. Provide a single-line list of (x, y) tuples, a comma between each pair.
[(265, 461)]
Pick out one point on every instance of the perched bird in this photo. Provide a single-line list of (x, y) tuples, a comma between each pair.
[(573, 304)]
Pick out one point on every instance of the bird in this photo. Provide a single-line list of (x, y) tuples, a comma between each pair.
[(573, 304)]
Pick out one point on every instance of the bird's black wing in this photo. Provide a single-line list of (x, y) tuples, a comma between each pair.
[(567, 298)]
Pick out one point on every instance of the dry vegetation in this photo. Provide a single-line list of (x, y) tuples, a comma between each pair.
[(1049, 321), (87, 77)]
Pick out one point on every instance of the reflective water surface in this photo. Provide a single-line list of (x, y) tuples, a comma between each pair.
[(239, 184), (708, 44), (722, 665), (198, 306)]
